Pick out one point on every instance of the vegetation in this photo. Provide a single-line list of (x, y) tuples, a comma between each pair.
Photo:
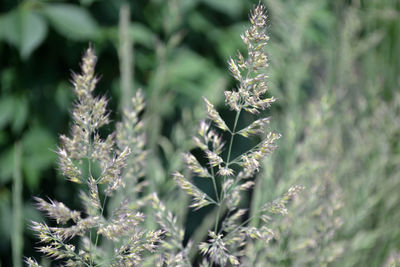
[(333, 72)]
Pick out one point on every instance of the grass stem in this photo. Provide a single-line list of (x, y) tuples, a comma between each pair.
[(17, 235)]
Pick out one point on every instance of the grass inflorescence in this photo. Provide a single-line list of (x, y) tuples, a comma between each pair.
[(114, 167)]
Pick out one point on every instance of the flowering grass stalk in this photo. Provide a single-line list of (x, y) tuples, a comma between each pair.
[(76, 238), (230, 177)]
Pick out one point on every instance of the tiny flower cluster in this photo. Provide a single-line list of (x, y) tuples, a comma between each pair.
[(250, 72)]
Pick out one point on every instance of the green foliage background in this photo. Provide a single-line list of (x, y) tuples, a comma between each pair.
[(334, 69)]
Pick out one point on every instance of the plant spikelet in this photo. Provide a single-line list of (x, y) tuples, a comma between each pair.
[(214, 115), (200, 199), (57, 211)]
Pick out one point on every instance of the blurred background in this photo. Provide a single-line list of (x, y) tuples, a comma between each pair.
[(334, 69)]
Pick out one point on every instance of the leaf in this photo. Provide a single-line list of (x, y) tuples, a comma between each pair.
[(142, 35), (6, 216), (227, 39), (31, 174), (38, 147), (6, 165), (72, 21), (23, 28), (31, 214), (9, 28), (21, 108), (38, 141), (63, 95), (6, 110), (193, 76), (231, 7), (13, 110), (33, 32), (3, 138), (87, 2)]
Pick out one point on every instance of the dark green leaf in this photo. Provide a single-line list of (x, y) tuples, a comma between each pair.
[(39, 154), (9, 28), (6, 165), (230, 7), (24, 29), (5, 215), (33, 32), (6, 110), (72, 21), (21, 108), (32, 174), (142, 35)]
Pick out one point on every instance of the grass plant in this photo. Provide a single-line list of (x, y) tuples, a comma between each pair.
[(103, 166), (100, 166)]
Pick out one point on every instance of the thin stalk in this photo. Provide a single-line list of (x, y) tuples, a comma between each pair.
[(89, 159), (102, 212), (221, 198), (235, 160), (125, 53), (242, 224), (233, 135), (201, 232), (90, 175), (214, 183), (17, 241)]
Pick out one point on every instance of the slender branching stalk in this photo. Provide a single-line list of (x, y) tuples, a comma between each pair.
[(231, 232), (76, 238)]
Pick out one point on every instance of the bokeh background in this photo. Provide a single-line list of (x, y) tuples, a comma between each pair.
[(334, 69)]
